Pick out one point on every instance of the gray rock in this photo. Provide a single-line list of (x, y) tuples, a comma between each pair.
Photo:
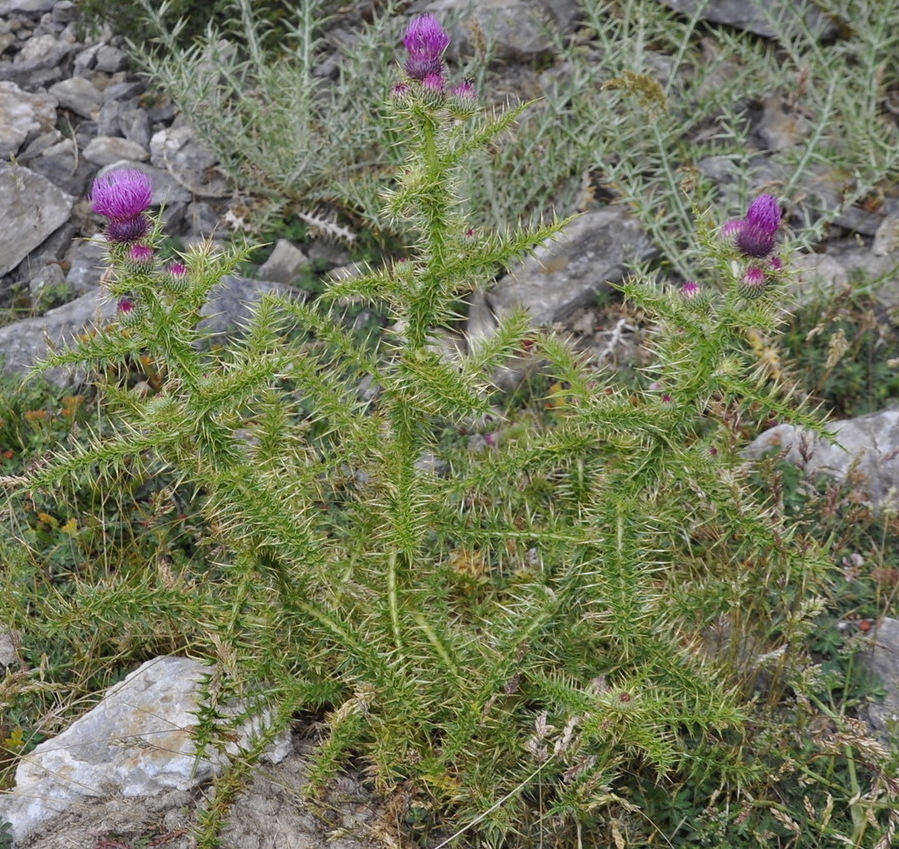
[(87, 262), (9, 649), (31, 208), (31, 7), (65, 170), (781, 125), (270, 812), (178, 151), (202, 219), (48, 278), (39, 48), (105, 150), (136, 127), (38, 145), (480, 325), (762, 17), (883, 660), (859, 261), (37, 73), (125, 90), (110, 59), (64, 11), (24, 343), (284, 264), (86, 59), (79, 96), (587, 258), (886, 238), (7, 40), (230, 304), (815, 276), (867, 448), (61, 147), (123, 117), (135, 742), (22, 113), (50, 251), (520, 30)]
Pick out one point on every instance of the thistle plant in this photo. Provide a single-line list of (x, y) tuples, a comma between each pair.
[(482, 629)]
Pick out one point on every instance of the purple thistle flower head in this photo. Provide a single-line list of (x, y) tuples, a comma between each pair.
[(690, 289), (425, 40), (754, 235), (752, 240), (122, 194), (764, 213), (127, 229), (177, 269), (125, 305)]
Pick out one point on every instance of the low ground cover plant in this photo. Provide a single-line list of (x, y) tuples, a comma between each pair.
[(589, 626)]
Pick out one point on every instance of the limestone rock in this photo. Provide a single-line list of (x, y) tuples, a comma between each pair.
[(39, 48), (231, 303), (27, 342), (865, 447), (284, 264), (78, 95), (31, 208), (135, 742), (781, 125), (105, 150), (110, 59), (21, 113), (178, 151), (762, 17), (862, 262), (521, 30), (34, 7), (24, 343), (883, 660), (587, 258)]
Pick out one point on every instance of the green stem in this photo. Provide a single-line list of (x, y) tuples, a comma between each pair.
[(393, 601)]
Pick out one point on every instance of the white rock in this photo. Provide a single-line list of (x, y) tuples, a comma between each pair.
[(135, 742)]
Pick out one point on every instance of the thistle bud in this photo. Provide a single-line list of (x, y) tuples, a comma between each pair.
[(175, 278), (753, 283), (139, 259), (128, 312)]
